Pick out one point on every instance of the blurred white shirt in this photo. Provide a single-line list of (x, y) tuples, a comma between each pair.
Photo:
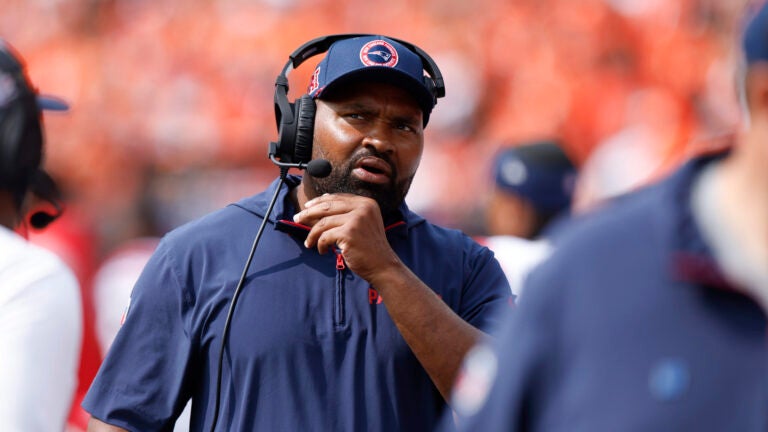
[(517, 256), (41, 324)]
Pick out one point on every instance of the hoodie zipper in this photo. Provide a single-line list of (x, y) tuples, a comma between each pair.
[(339, 312), (339, 316)]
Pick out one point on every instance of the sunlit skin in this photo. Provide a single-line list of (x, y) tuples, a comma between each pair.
[(509, 214), (743, 179)]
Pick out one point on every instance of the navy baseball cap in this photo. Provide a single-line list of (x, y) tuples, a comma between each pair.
[(539, 172), (755, 37), (376, 58), (15, 82)]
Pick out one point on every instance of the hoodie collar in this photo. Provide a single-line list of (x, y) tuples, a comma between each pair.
[(284, 209)]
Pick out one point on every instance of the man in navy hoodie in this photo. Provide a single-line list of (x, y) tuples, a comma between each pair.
[(355, 313)]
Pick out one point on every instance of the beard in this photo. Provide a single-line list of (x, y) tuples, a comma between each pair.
[(388, 196)]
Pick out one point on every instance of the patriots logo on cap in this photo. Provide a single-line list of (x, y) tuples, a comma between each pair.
[(514, 172), (379, 53)]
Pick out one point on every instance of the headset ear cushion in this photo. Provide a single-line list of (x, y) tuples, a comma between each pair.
[(21, 147), (305, 129), (11, 130)]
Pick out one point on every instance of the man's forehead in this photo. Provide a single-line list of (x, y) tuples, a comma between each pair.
[(369, 92)]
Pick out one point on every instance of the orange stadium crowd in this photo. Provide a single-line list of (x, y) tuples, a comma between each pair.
[(172, 102)]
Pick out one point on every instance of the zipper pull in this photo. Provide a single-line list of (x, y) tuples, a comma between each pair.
[(339, 261)]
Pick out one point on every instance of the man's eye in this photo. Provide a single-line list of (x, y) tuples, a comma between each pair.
[(405, 127)]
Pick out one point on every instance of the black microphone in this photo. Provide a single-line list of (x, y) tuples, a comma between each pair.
[(319, 168), (316, 168), (41, 219), (44, 188)]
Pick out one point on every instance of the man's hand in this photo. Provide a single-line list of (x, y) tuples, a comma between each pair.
[(437, 336), (353, 224)]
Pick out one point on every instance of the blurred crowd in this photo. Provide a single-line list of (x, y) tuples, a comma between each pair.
[(165, 91), (172, 102)]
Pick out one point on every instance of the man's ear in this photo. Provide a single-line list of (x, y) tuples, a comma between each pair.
[(756, 88)]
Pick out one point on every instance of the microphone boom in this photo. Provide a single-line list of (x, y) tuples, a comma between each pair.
[(316, 168), (319, 168)]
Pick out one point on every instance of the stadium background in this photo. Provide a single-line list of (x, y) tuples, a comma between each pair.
[(184, 89), (172, 101)]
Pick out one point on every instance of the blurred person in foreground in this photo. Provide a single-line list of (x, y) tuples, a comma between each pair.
[(356, 312), (533, 184), (651, 314), (40, 311)]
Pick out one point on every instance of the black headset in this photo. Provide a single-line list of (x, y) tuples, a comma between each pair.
[(296, 120), (21, 136), (21, 141)]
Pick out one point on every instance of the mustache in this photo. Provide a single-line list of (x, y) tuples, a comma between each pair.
[(389, 196), (371, 152)]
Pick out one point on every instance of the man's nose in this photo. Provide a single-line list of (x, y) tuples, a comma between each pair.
[(380, 137)]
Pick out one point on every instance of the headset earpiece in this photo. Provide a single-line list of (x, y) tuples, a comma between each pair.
[(305, 128), (20, 144), (10, 143), (295, 129)]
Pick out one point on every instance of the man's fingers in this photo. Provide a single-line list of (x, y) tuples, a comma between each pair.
[(318, 229), (340, 218), (324, 206), (327, 240)]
